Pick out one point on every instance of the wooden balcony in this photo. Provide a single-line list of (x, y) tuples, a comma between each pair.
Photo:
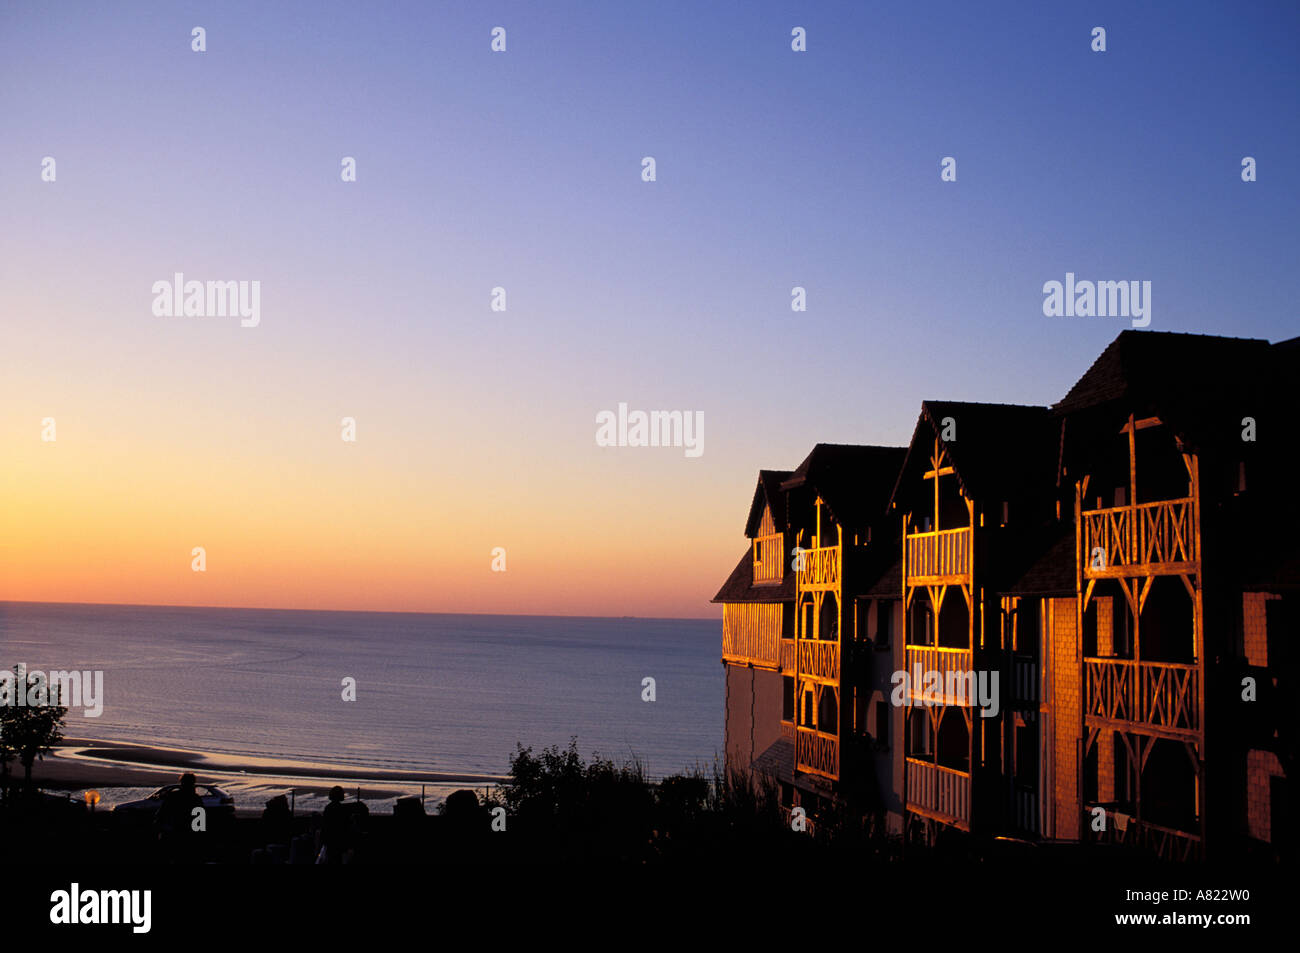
[(1025, 680), (939, 792), (822, 566), (819, 659), (938, 558), (787, 656), (933, 659), (1165, 843), (1159, 698), (751, 634), (769, 562), (816, 753), (1146, 539)]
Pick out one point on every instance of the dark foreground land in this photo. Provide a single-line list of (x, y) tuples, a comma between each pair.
[(565, 836)]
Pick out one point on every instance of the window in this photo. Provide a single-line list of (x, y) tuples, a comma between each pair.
[(1029, 627), (1027, 755), (787, 698), (922, 623), (881, 734), (918, 732), (884, 622), (828, 714)]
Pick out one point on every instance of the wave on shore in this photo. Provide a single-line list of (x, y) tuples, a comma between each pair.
[(122, 772)]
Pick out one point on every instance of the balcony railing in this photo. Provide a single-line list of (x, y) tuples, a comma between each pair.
[(1162, 695), (821, 568), (751, 633), (939, 791), (1026, 808), (938, 557), (1026, 679), (769, 566), (1166, 843), (1137, 540), (819, 659), (787, 656), (817, 753), (933, 659)]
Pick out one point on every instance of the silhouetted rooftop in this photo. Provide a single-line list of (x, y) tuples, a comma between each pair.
[(854, 481), (740, 587), (997, 450), (768, 491)]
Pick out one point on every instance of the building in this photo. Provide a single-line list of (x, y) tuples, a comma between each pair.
[(799, 705), (1094, 604)]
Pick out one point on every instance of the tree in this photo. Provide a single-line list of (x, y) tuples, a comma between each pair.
[(29, 731)]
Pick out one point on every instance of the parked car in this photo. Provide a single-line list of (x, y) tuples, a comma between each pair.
[(214, 800)]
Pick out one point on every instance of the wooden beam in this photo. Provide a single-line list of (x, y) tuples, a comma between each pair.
[(1132, 462)]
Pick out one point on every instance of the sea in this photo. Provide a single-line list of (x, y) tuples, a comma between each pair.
[(443, 695)]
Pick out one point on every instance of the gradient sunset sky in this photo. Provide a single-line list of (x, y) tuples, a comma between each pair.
[(523, 170)]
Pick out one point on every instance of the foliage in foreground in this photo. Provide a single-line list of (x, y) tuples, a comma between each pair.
[(566, 807)]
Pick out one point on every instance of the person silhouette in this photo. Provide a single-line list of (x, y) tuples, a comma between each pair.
[(277, 821), (335, 829), (175, 820)]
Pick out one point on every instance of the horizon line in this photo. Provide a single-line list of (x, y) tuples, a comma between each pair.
[(509, 615)]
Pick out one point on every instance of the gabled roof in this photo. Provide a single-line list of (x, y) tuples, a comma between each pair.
[(740, 587), (777, 761), (1189, 380), (997, 449), (854, 481), (768, 492)]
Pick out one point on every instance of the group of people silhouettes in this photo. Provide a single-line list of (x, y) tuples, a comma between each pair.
[(179, 825)]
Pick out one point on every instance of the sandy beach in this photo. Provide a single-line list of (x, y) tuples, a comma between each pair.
[(123, 772)]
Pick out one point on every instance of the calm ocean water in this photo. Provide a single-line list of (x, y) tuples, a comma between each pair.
[(438, 693)]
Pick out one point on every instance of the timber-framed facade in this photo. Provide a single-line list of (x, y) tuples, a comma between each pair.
[(1121, 565)]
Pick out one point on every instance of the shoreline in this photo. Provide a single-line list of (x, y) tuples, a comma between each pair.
[(78, 764), (118, 753)]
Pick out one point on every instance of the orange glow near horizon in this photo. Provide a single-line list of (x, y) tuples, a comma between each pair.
[(296, 518)]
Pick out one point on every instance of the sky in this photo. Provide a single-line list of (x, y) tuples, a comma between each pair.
[(522, 170)]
